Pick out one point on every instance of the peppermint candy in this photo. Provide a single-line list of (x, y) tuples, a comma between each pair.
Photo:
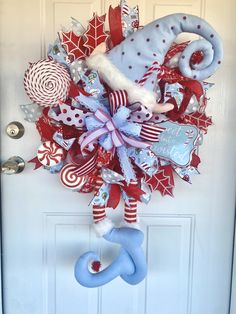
[(46, 82), (50, 154), (70, 178)]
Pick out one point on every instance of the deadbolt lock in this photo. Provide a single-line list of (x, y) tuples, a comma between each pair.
[(15, 130)]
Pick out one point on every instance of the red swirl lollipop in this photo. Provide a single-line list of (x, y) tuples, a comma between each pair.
[(70, 178), (46, 82)]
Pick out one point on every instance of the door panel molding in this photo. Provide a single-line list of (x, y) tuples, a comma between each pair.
[(68, 235)]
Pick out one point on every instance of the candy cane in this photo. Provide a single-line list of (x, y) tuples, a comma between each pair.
[(154, 68)]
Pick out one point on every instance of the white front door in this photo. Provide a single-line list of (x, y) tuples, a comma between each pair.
[(188, 239)]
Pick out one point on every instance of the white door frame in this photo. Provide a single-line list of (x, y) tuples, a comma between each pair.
[(1, 287), (233, 289)]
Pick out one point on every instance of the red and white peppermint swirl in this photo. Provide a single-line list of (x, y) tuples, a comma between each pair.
[(46, 82), (50, 154), (70, 178)]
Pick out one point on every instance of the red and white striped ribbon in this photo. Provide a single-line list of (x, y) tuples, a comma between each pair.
[(151, 132), (87, 167), (145, 166), (117, 99), (125, 9)]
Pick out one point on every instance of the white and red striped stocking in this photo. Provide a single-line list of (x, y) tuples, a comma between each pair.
[(99, 212), (130, 213)]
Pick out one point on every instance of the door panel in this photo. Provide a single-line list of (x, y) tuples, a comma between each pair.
[(188, 239)]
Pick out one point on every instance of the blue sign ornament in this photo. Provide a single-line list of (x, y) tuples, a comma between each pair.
[(176, 143)]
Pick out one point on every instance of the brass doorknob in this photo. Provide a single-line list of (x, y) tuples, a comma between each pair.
[(13, 165)]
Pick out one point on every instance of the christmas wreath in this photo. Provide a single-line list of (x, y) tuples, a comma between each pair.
[(119, 113)]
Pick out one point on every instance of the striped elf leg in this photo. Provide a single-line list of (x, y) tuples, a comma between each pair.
[(99, 211), (102, 224), (130, 213)]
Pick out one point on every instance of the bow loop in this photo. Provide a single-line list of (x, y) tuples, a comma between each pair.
[(93, 123), (121, 116), (115, 131), (110, 125), (113, 127)]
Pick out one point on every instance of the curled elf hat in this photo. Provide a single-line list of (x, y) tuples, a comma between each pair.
[(126, 64)]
